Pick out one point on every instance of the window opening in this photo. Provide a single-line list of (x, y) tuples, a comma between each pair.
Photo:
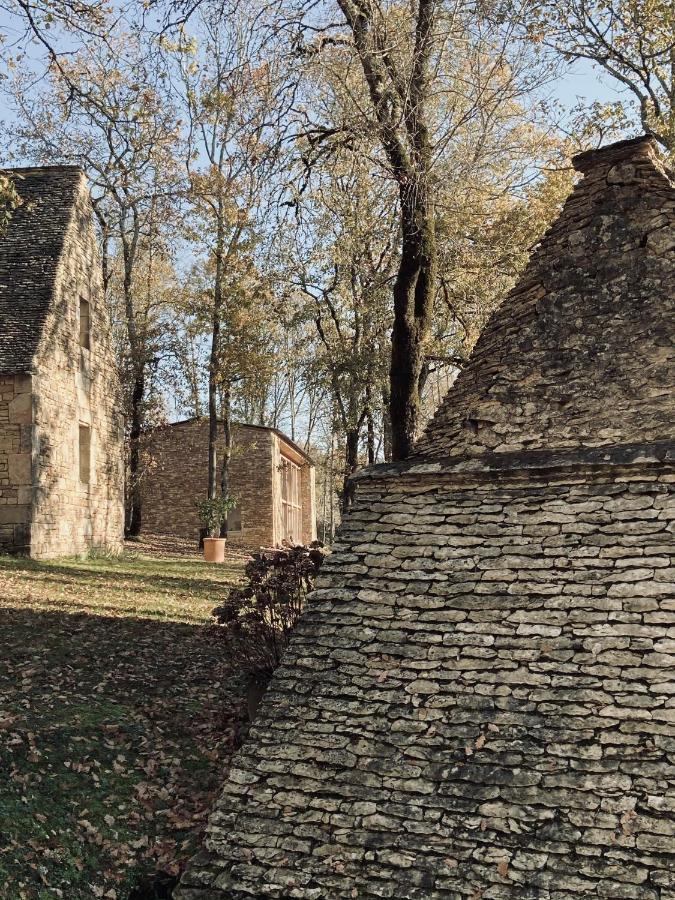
[(291, 502), (85, 325)]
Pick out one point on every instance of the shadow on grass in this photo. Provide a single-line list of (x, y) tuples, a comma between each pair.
[(47, 627), (116, 732), (148, 583), (110, 572)]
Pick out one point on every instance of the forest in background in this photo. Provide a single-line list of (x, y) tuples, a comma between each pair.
[(308, 209)]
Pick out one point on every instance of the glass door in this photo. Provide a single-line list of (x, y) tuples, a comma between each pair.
[(291, 501)]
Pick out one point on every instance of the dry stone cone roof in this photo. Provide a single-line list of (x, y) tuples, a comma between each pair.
[(580, 354), (479, 701), (30, 254)]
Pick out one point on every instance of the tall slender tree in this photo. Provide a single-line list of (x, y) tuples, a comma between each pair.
[(229, 91), (426, 81)]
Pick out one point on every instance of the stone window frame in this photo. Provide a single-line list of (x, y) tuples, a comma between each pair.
[(84, 333), (84, 455)]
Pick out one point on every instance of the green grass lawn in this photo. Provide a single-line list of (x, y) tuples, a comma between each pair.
[(118, 714)]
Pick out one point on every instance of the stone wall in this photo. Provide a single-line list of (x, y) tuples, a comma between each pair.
[(479, 699), (175, 477), (15, 462), (73, 386)]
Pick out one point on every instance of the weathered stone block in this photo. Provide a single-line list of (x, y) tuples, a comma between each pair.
[(21, 409), (19, 468)]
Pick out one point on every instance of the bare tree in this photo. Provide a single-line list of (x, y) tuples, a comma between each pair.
[(230, 96), (437, 80)]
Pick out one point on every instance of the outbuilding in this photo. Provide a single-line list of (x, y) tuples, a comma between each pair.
[(271, 479), (61, 431)]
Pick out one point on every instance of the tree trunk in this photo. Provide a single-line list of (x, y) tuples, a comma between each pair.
[(414, 291), (225, 412), (138, 358), (370, 426), (214, 357), (213, 424), (135, 515), (351, 464), (331, 486), (386, 424)]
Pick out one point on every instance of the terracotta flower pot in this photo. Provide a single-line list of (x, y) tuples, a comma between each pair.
[(214, 550)]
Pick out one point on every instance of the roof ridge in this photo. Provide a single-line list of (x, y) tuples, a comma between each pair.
[(643, 146), (65, 167)]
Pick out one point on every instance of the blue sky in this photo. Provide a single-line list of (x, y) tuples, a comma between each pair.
[(580, 82)]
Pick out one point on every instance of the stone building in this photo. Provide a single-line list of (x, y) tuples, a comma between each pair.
[(61, 481), (271, 478), (479, 701)]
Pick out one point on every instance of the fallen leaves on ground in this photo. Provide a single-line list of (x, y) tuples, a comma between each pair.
[(118, 715)]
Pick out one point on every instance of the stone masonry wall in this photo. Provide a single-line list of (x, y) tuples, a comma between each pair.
[(479, 700), (175, 460), (72, 387), (15, 462), (175, 477)]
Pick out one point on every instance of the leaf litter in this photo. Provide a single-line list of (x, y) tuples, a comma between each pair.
[(118, 716)]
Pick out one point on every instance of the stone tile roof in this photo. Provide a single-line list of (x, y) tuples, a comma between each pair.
[(478, 699), (580, 352), (30, 249)]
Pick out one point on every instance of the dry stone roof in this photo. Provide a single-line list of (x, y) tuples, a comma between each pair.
[(479, 701), (580, 354), (30, 250)]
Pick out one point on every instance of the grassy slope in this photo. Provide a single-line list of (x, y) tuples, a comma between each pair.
[(117, 716)]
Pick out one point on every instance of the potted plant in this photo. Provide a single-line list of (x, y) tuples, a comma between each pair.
[(213, 514)]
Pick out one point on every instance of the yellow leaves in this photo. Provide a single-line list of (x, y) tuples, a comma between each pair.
[(9, 200)]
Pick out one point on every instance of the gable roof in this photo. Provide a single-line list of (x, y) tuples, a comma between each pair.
[(269, 428), (30, 250), (580, 352)]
